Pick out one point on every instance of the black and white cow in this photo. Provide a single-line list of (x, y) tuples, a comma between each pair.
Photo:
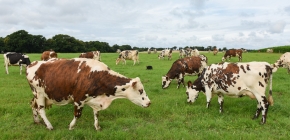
[(237, 80), (15, 59)]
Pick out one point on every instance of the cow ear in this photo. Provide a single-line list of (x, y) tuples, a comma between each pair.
[(134, 84)]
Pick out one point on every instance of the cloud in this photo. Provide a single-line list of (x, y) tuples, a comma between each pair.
[(287, 10), (277, 27), (218, 37)]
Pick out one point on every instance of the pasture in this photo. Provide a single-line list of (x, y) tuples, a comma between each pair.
[(168, 117)]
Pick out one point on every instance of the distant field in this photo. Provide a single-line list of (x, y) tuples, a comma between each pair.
[(168, 117)]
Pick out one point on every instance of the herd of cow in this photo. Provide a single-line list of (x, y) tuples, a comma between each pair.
[(86, 80)]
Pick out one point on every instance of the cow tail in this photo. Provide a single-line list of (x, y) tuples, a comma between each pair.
[(270, 98)]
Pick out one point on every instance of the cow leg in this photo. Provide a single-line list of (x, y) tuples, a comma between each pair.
[(124, 61), (221, 102), (6, 67), (134, 62), (262, 106), (208, 96), (34, 110), (77, 114), (180, 79), (96, 120), (20, 67), (41, 110)]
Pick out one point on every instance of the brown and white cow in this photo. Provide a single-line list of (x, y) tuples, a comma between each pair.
[(236, 80), (47, 55), (96, 55), (164, 53), (215, 51), (232, 53), (81, 82), (128, 55), (184, 66), (283, 61)]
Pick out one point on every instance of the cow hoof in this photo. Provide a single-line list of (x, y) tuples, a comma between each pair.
[(49, 128), (98, 128)]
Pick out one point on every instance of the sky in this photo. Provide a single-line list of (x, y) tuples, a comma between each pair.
[(248, 24)]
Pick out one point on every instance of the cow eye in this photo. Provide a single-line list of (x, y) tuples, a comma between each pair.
[(142, 98)]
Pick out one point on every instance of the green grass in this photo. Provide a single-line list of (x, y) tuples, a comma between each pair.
[(168, 117)]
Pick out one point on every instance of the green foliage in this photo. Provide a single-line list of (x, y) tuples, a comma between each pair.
[(277, 49), (168, 117)]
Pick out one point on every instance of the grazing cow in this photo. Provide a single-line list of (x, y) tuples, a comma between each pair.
[(232, 53), (149, 51), (15, 59), (182, 53), (215, 51), (47, 55), (195, 52), (283, 61), (79, 81), (237, 80), (164, 53), (155, 51), (118, 51), (189, 52), (96, 55), (128, 55), (184, 66), (269, 50)]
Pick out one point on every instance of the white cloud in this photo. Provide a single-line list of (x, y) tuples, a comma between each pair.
[(163, 23), (277, 27)]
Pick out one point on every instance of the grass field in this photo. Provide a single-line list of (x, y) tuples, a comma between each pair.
[(168, 117)]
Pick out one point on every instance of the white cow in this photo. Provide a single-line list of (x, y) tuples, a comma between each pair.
[(128, 55), (283, 61), (237, 80), (164, 53)]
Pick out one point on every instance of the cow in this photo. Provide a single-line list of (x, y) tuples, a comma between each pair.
[(79, 81), (164, 53), (155, 51), (215, 51), (46, 55), (283, 61), (149, 51), (195, 52), (191, 52), (236, 80), (184, 66), (96, 55), (182, 53), (269, 50), (232, 53), (15, 59), (128, 55)]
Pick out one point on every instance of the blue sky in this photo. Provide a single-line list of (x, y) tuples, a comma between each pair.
[(149, 23)]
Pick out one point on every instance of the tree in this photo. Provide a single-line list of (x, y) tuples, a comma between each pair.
[(19, 41)]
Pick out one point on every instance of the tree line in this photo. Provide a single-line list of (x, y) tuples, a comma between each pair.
[(22, 41)]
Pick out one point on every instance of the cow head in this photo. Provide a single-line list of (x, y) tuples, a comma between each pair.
[(25, 60), (166, 81), (223, 59), (192, 92), (135, 92), (118, 60)]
